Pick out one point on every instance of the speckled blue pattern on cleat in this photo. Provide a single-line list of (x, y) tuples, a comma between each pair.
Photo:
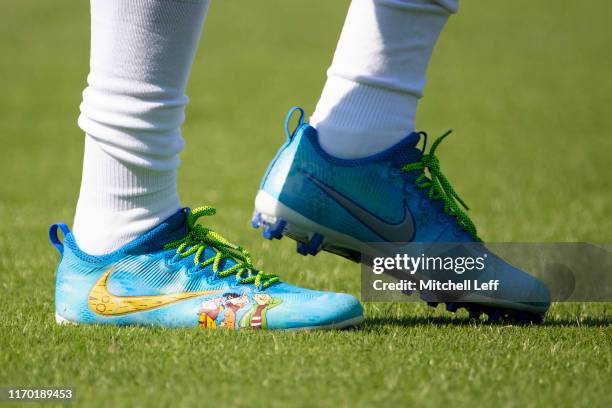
[(398, 195)]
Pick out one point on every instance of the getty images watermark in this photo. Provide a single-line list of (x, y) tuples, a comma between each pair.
[(516, 272), (427, 264)]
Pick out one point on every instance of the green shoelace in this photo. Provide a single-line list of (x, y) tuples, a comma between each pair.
[(199, 238), (440, 188)]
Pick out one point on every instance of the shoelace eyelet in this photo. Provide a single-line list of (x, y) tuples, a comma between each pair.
[(439, 188)]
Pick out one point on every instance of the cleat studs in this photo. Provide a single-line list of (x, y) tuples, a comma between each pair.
[(315, 244), (474, 313), (279, 229), (521, 317), (312, 247), (273, 231), (256, 220), (432, 304), (494, 315), (452, 307), (528, 318)]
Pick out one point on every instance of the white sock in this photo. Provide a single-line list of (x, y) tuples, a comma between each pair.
[(141, 57), (377, 75)]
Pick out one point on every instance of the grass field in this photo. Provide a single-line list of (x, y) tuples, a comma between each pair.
[(527, 87)]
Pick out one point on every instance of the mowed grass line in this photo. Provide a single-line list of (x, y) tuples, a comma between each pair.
[(526, 87)]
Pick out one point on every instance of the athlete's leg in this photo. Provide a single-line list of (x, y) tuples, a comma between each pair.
[(378, 74), (133, 106), (165, 268)]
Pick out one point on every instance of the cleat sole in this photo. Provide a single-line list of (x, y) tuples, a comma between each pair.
[(496, 315), (278, 220)]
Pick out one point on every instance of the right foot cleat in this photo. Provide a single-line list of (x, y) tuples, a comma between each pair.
[(182, 274), (399, 195)]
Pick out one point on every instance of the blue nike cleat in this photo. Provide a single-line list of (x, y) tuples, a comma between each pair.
[(398, 195), (182, 274)]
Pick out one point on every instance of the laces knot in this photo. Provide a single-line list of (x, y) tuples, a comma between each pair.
[(199, 238), (431, 162), (439, 186)]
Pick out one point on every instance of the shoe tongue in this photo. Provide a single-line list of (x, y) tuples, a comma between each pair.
[(171, 229)]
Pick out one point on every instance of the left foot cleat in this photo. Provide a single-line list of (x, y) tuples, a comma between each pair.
[(399, 195), (182, 274)]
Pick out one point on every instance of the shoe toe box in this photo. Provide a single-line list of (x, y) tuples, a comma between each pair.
[(312, 309)]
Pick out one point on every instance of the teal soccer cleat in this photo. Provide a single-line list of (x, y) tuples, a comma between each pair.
[(396, 196), (182, 274)]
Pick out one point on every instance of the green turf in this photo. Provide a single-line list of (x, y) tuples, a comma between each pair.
[(525, 84)]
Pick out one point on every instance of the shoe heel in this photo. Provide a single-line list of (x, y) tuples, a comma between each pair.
[(277, 227), (278, 220)]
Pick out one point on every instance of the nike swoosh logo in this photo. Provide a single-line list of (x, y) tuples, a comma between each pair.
[(104, 303), (400, 232)]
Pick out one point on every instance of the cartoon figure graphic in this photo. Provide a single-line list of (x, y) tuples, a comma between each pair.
[(232, 302), (209, 311), (256, 317)]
